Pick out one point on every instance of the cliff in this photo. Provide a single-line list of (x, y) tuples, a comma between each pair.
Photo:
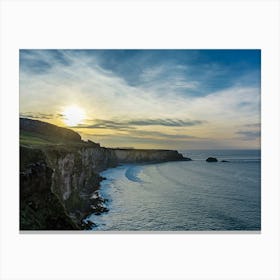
[(59, 175), (141, 155)]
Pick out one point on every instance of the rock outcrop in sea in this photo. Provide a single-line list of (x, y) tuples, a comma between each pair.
[(211, 159), (59, 175)]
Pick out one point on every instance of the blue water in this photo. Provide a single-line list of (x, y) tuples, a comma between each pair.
[(182, 196)]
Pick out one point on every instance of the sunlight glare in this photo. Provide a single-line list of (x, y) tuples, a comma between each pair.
[(73, 115)]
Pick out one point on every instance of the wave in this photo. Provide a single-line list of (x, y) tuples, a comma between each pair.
[(132, 173)]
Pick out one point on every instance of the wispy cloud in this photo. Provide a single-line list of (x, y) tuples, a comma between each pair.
[(166, 122), (249, 135), (253, 125), (112, 124), (40, 115), (42, 61), (161, 135)]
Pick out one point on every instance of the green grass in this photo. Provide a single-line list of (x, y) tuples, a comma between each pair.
[(30, 139), (34, 140)]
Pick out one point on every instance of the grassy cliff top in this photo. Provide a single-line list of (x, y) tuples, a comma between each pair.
[(38, 134)]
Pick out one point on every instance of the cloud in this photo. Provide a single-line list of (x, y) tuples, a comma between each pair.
[(168, 78), (165, 122), (253, 125), (42, 61), (40, 115), (249, 135), (106, 124), (161, 135), (98, 123)]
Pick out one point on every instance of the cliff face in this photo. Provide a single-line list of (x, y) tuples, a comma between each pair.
[(76, 178), (59, 183), (40, 208)]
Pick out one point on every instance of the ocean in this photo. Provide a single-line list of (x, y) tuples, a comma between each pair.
[(184, 195)]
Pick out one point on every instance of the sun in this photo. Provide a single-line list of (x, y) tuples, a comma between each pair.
[(73, 115)]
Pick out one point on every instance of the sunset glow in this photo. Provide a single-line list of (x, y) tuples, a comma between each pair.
[(74, 115)]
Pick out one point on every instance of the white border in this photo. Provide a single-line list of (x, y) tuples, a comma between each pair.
[(153, 24)]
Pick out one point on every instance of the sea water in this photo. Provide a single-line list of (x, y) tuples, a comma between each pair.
[(184, 195)]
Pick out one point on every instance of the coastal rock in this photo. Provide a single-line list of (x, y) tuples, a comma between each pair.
[(211, 159), (88, 225), (224, 161), (187, 159)]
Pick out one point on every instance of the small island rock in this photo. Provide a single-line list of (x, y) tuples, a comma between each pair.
[(211, 159)]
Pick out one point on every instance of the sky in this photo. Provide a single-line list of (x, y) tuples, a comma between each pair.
[(167, 99)]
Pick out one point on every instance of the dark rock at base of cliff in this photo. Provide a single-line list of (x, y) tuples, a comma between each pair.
[(98, 204), (211, 159), (186, 159), (88, 225)]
